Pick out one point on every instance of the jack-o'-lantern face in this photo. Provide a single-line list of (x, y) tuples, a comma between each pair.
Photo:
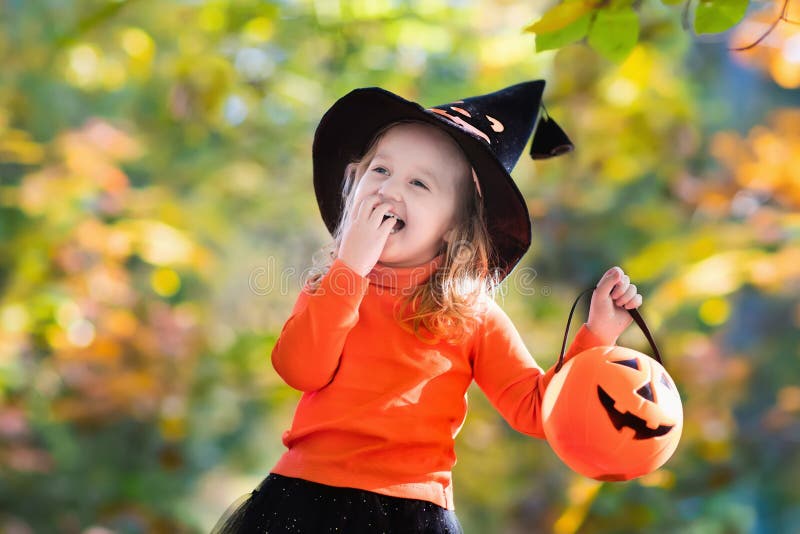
[(612, 413), (648, 407)]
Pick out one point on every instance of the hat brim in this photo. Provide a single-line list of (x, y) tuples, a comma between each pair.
[(348, 126)]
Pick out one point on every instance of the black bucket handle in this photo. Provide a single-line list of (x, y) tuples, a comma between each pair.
[(636, 317)]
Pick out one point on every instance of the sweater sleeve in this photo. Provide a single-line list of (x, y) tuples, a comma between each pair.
[(508, 375), (306, 354)]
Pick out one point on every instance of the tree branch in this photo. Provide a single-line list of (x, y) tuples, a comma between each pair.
[(769, 30)]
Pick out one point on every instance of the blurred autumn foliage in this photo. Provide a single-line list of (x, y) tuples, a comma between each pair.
[(157, 215)]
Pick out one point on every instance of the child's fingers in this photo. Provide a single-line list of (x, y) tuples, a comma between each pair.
[(387, 225), (366, 206), (626, 296), (378, 212), (356, 209), (608, 280), (362, 206), (635, 302), (621, 287)]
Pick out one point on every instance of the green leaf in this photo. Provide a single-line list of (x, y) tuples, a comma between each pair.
[(569, 34), (614, 33), (714, 16), (561, 16), (673, 2)]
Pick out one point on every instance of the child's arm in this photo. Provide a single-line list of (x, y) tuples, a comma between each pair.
[(307, 352), (508, 374)]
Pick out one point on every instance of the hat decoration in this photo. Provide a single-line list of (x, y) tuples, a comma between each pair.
[(492, 130)]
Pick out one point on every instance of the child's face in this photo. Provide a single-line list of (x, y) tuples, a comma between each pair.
[(420, 171)]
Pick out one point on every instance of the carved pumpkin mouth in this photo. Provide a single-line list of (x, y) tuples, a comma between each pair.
[(619, 419)]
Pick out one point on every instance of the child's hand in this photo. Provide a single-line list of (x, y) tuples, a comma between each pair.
[(613, 296), (365, 234)]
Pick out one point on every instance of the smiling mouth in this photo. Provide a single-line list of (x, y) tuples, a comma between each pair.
[(619, 419), (399, 225)]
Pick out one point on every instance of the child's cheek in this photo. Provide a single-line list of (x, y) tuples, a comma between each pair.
[(365, 188)]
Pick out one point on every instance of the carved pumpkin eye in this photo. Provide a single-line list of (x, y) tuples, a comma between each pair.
[(666, 382), (646, 392), (633, 363)]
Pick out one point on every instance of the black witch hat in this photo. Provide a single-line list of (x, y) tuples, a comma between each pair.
[(492, 130)]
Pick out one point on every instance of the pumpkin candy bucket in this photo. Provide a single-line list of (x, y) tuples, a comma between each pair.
[(612, 413)]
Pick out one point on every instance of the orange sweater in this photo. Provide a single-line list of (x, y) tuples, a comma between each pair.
[(380, 410)]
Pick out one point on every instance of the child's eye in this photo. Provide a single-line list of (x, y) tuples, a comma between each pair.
[(420, 183), (378, 169)]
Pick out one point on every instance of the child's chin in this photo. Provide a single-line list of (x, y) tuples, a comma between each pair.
[(391, 255)]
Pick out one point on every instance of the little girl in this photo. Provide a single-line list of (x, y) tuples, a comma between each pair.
[(388, 335)]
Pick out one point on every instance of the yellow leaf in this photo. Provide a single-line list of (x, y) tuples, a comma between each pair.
[(561, 16)]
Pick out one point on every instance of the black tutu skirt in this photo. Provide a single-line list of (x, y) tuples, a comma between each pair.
[(284, 504)]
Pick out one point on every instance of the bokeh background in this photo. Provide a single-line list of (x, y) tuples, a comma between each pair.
[(157, 216)]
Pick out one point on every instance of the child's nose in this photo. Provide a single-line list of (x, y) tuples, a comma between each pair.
[(390, 188)]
